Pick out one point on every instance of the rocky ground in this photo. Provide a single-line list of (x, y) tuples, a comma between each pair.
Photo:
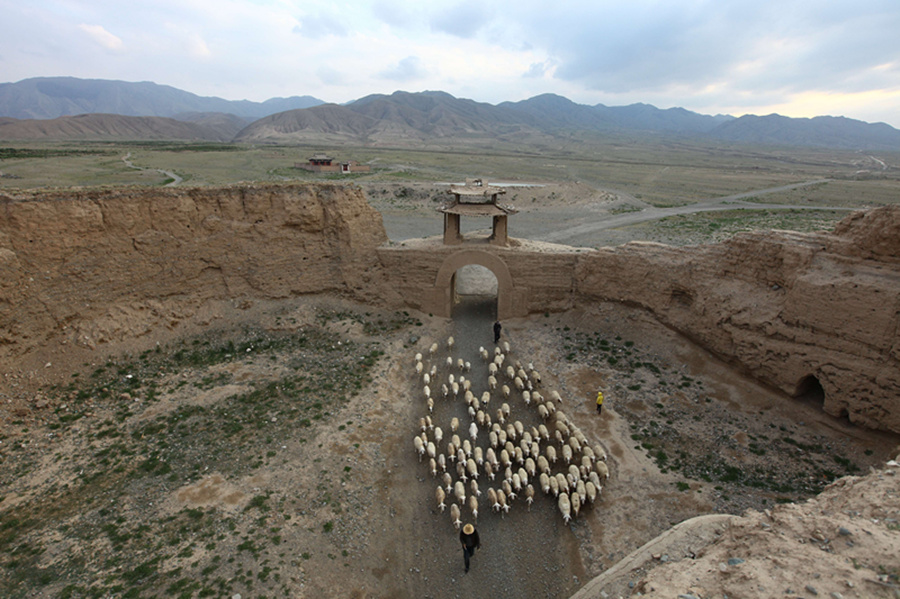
[(267, 452)]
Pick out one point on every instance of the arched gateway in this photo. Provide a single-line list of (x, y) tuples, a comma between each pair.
[(506, 292)]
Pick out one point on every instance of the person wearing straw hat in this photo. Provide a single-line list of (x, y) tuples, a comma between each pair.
[(468, 536)]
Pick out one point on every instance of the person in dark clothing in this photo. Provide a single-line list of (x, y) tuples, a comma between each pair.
[(468, 536), (497, 328)]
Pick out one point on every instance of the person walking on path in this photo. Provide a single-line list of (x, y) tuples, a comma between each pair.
[(470, 542), (497, 329), (599, 401)]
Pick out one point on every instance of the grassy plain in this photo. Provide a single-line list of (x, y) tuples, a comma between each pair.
[(639, 173)]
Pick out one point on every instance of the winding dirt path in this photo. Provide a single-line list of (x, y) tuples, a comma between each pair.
[(650, 213), (171, 175)]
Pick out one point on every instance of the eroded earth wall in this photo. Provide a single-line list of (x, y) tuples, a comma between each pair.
[(782, 306), (97, 265)]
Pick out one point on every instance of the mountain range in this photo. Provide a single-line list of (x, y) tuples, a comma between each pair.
[(87, 109)]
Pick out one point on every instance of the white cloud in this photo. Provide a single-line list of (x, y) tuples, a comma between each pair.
[(103, 37), (408, 69)]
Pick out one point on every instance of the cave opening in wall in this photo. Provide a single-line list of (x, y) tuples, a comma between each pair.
[(475, 291), (809, 390)]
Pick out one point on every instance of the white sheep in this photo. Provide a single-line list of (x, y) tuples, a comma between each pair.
[(426, 378), (489, 470), (467, 447), (492, 383), (505, 390), (523, 476), (433, 370), (419, 368), (520, 373), (438, 435), (588, 453), (445, 390), (501, 499), (473, 506), (418, 357), (508, 490), (576, 503), (555, 396), (542, 464), (451, 451), (506, 347), (581, 489), (530, 467), (451, 379), (459, 491), (492, 369), (492, 499), (440, 496), (472, 468), (518, 384), (461, 469), (447, 479), (504, 458), (554, 486), (537, 397), (433, 349), (450, 343), (491, 456), (481, 418), (566, 453), (602, 469), (526, 397), (442, 462), (432, 465), (520, 428), (510, 373), (594, 478), (543, 412), (430, 402), (590, 490), (492, 437), (454, 388), (551, 453), (563, 482), (544, 480), (535, 377), (497, 350), (529, 496), (419, 446), (426, 391), (461, 364), (485, 356), (449, 362), (478, 454), (431, 448), (600, 453), (516, 482), (454, 516), (486, 398), (565, 507)]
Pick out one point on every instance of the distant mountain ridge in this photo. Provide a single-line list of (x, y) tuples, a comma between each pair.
[(53, 97), (398, 118)]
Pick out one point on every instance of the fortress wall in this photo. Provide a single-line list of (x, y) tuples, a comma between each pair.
[(93, 266), (782, 306), (104, 264)]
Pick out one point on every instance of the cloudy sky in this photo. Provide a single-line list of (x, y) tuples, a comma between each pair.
[(798, 58)]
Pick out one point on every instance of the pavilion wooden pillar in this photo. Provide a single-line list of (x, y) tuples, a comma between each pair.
[(499, 234), (452, 235)]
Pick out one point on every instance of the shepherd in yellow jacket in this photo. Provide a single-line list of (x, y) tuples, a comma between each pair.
[(599, 401)]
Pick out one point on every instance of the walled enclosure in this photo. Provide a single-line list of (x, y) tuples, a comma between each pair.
[(96, 266)]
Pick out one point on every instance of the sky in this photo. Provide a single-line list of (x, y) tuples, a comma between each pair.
[(798, 58)]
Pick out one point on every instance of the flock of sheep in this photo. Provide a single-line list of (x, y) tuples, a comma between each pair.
[(555, 455)]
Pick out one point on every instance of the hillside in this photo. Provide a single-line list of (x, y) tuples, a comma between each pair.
[(433, 116), (52, 97), (398, 118), (92, 127)]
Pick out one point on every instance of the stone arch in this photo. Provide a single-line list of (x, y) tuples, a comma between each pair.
[(507, 295)]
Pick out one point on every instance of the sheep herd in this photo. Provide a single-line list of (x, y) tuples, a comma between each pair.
[(496, 448)]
